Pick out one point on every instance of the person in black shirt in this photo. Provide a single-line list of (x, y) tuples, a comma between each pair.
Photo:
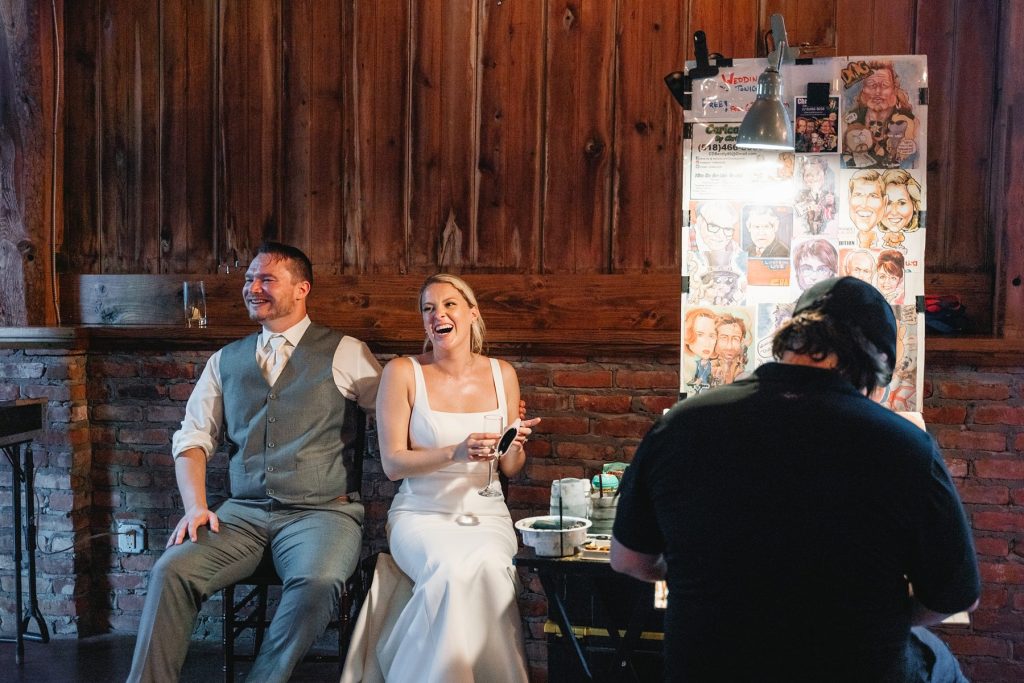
[(805, 531)]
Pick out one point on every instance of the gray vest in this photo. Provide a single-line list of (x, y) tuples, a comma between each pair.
[(286, 442)]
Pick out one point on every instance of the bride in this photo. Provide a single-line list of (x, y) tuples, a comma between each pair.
[(461, 622)]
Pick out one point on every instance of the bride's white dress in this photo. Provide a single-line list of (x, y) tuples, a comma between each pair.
[(462, 621)]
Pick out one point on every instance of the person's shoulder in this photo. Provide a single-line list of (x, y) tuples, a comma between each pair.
[(904, 441), (507, 369), (400, 364), (346, 340), (707, 404), (317, 331)]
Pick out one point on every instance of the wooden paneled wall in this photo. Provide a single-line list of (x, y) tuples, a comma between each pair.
[(497, 136), (382, 137)]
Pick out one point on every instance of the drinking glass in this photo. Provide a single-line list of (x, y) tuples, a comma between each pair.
[(194, 294), (493, 424)]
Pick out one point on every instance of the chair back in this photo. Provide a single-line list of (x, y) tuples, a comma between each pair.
[(353, 433)]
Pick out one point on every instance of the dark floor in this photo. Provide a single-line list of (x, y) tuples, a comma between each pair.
[(107, 659)]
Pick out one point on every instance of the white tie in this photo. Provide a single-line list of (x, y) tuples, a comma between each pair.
[(275, 360)]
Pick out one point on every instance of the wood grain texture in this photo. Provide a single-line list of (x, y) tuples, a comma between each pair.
[(129, 186), (508, 174), (730, 25), (647, 214), (80, 249), (378, 206), (543, 311), (524, 137), (29, 207), (935, 38), (810, 24), (876, 27), (968, 219), (312, 126), (1008, 172), (579, 92), (188, 142), (249, 126), (532, 314), (443, 135)]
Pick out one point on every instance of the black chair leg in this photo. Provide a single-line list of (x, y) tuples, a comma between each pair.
[(228, 637)]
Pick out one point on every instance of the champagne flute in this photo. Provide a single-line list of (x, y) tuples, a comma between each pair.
[(492, 424), (194, 295)]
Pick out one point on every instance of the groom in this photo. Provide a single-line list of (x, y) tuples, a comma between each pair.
[(279, 399)]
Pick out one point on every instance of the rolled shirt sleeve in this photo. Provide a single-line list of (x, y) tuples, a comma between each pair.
[(204, 413), (357, 373)]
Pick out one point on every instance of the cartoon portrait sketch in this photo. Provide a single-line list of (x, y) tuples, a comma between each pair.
[(785, 166), (815, 204), (877, 100), (813, 261), (901, 393), (829, 136), (889, 273), (902, 207), (802, 135), (719, 280), (816, 125), (715, 226), (770, 318), (858, 263), (764, 236), (699, 337), (857, 144), (732, 346), (866, 205)]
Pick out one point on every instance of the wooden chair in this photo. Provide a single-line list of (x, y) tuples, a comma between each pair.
[(250, 610)]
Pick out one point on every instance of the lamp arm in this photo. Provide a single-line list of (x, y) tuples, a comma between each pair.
[(781, 51)]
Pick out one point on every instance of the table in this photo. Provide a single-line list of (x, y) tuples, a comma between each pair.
[(616, 630), (22, 421)]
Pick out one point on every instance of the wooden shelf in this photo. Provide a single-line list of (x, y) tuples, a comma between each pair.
[(526, 315), (974, 350), (664, 345)]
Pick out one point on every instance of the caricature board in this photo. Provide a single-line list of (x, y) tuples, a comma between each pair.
[(762, 226)]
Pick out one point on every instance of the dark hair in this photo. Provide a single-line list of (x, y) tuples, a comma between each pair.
[(297, 261), (816, 334)]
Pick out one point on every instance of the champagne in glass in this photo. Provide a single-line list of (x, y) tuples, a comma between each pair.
[(493, 424), (194, 294)]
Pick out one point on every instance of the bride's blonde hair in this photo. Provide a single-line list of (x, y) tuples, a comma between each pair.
[(478, 329)]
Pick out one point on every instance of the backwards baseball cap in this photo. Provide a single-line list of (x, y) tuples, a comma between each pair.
[(858, 304)]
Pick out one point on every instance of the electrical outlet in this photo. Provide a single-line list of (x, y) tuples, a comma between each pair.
[(131, 537)]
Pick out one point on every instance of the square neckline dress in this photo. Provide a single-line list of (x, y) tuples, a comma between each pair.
[(462, 621)]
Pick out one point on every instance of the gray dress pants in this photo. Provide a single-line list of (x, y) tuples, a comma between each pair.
[(314, 552)]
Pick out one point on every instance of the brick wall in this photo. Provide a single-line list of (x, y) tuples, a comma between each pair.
[(976, 415), (594, 409), (63, 490)]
